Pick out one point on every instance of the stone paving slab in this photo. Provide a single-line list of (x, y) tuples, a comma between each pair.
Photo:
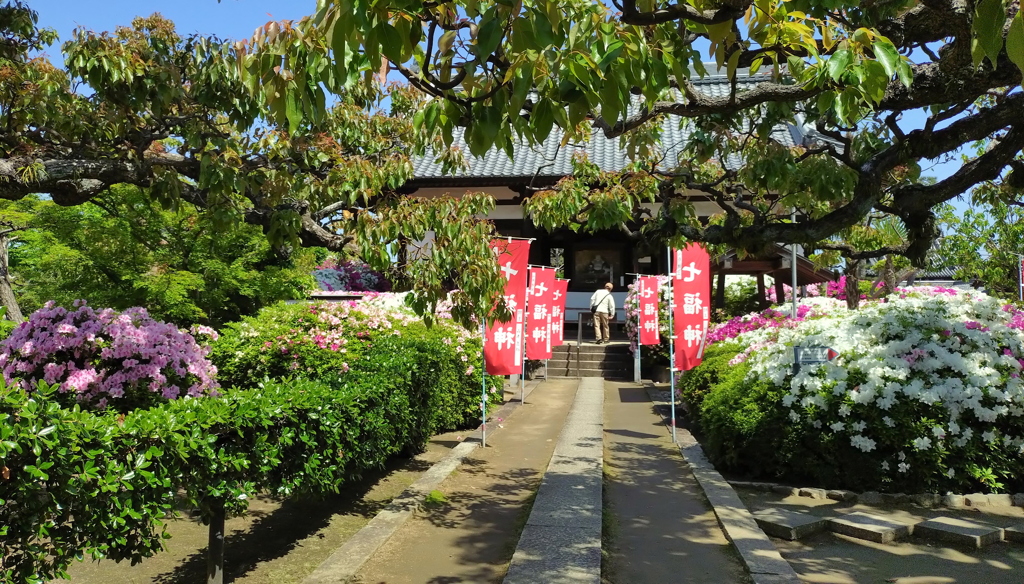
[(561, 542), (959, 531), (870, 527), (788, 524), (760, 556), (1014, 534), (346, 561)]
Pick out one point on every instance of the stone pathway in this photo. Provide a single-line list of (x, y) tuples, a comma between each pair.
[(662, 528), (469, 529), (561, 543)]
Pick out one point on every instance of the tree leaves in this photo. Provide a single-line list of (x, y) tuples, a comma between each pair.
[(1015, 40), (988, 29)]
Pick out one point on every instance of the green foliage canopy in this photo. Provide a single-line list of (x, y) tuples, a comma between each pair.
[(849, 72), (122, 250), (240, 133)]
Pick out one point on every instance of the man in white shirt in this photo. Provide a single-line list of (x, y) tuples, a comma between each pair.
[(603, 306)]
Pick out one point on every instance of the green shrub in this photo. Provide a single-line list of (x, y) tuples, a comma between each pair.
[(324, 393), (77, 482), (333, 341), (693, 385)]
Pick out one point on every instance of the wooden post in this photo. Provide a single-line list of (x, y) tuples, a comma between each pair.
[(720, 292), (780, 290), (215, 547), (762, 292)]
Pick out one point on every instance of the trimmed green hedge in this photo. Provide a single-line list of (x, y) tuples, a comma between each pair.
[(744, 428), (74, 482)]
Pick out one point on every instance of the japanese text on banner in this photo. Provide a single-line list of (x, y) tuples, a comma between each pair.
[(538, 320), (691, 293), (503, 345), (647, 307), (558, 312)]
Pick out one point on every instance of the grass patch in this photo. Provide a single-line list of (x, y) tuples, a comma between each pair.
[(434, 499)]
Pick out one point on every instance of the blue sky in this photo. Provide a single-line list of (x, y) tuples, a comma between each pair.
[(232, 19), (227, 19)]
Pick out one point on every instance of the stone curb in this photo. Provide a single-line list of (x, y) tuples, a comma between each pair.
[(929, 500), (757, 552), (345, 562), (561, 542)]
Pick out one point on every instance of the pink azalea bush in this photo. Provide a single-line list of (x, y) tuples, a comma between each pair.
[(350, 276), (106, 358)]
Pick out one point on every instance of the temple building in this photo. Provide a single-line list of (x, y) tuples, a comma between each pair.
[(591, 259)]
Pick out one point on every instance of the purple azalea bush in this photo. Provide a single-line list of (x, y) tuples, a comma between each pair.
[(106, 358)]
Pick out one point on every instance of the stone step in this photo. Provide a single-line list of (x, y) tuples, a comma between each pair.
[(959, 531), (593, 362), (870, 527), (788, 524), (1014, 534), (592, 373), (591, 347)]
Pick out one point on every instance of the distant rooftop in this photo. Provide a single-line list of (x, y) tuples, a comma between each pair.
[(550, 160)]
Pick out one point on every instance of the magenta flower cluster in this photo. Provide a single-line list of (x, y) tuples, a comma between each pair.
[(105, 357), (748, 322), (350, 276)]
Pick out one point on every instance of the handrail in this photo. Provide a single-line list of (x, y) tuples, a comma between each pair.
[(579, 338)]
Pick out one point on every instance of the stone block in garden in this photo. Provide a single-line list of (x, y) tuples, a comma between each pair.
[(813, 493), (841, 495), (870, 527), (895, 498), (928, 499), (953, 500), (959, 531), (788, 524), (1018, 500), (1000, 500), (1014, 534), (976, 500), (871, 498), (784, 490)]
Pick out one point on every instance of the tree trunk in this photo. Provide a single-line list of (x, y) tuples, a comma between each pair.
[(852, 285), (889, 276), (6, 290), (215, 548)]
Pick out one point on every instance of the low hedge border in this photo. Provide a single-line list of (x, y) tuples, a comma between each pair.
[(76, 482), (929, 500)]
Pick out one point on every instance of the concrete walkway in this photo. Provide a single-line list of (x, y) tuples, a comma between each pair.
[(561, 543), (468, 530), (661, 527)]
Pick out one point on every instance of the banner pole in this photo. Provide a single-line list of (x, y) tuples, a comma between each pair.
[(793, 267), (671, 345), (483, 385), (636, 356), (522, 374), (1020, 273)]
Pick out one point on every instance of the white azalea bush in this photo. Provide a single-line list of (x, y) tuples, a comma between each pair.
[(926, 396)]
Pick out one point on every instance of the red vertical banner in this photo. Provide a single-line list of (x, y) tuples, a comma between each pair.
[(558, 312), (691, 295), (503, 347), (647, 308), (538, 318)]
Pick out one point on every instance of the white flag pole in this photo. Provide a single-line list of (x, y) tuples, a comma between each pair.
[(671, 345), (483, 385)]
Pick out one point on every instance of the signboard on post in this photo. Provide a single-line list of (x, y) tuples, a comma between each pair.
[(503, 346), (538, 319), (691, 296), (647, 307), (810, 355)]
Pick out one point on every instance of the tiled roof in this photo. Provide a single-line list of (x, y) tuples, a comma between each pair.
[(551, 160)]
